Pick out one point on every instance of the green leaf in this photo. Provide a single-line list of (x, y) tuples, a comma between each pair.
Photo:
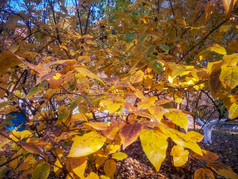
[(143, 38), (165, 48), (157, 67), (41, 171), (130, 37), (33, 91)]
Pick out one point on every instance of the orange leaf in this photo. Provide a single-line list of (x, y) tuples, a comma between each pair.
[(98, 125), (110, 167), (222, 169), (129, 133), (32, 148), (206, 155), (203, 173), (228, 6)]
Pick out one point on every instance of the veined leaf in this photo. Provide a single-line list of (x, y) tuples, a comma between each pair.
[(154, 145), (178, 118), (229, 77), (222, 169), (129, 133), (203, 173), (157, 112), (41, 171), (86, 144), (137, 77)]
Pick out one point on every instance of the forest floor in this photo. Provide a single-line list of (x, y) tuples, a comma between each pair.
[(137, 166), (225, 145)]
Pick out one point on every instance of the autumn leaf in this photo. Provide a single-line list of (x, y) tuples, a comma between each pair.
[(41, 171), (228, 6), (180, 156), (233, 111), (86, 144), (129, 133), (206, 155), (7, 60), (77, 165), (157, 112), (229, 77), (110, 167), (137, 77), (32, 148), (92, 175), (178, 118), (155, 151), (222, 169), (86, 72), (98, 125), (203, 173), (119, 156)]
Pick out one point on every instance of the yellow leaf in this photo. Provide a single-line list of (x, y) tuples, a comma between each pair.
[(98, 125), (233, 111), (113, 107), (78, 117), (110, 167), (157, 112), (229, 77), (86, 72), (86, 144), (104, 177), (77, 165), (143, 114), (137, 77), (197, 137), (203, 173), (154, 145), (218, 49), (57, 167), (115, 146), (180, 156), (147, 102), (181, 139), (178, 118), (57, 76), (129, 133), (119, 156), (92, 175), (222, 169)]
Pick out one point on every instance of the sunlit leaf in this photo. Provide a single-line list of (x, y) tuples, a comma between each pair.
[(86, 72), (229, 77), (77, 165), (86, 144), (92, 175), (119, 156), (157, 112), (180, 156), (178, 118), (233, 111), (154, 145)]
